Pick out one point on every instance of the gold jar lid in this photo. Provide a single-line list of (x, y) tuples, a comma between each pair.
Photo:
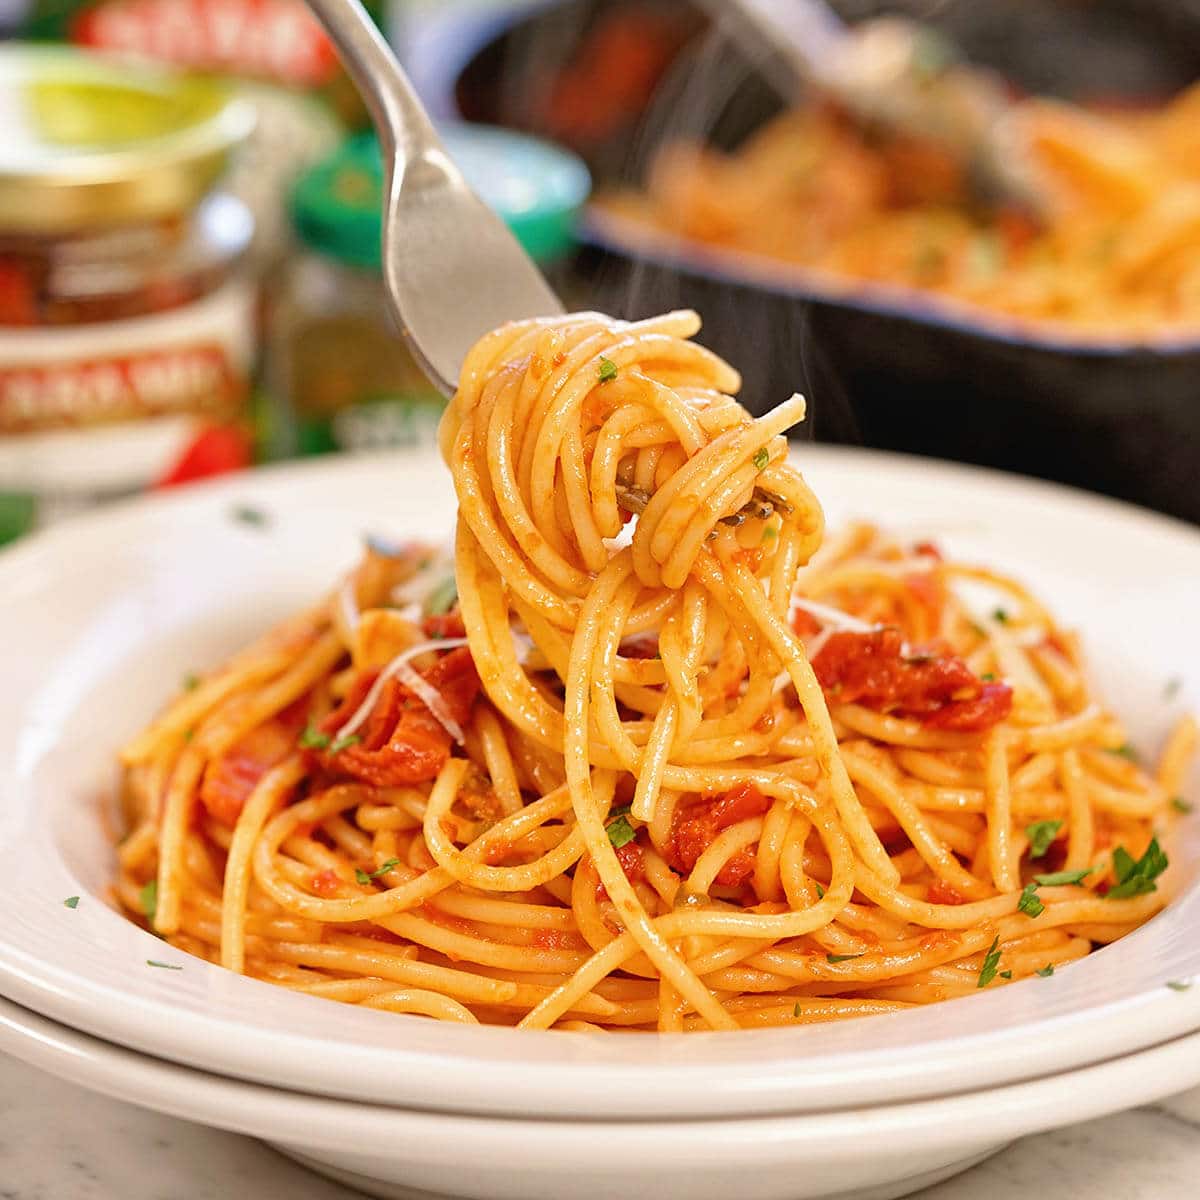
[(89, 140)]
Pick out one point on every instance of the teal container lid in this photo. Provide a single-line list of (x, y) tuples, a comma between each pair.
[(536, 187)]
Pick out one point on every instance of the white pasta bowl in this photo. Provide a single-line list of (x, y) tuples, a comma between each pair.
[(857, 1153), (103, 617)]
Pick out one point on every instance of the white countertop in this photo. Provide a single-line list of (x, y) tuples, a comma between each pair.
[(59, 1142)]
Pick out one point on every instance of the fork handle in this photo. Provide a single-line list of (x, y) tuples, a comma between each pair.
[(404, 128)]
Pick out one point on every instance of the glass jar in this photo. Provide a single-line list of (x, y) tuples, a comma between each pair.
[(127, 327), (90, 276), (340, 373)]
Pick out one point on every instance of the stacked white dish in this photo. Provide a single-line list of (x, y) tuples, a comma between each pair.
[(103, 617)]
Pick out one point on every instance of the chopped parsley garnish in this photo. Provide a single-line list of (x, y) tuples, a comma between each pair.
[(71, 902), (1136, 878), (247, 514), (153, 962), (443, 597), (608, 370), (837, 958), (820, 891), (148, 899), (313, 739), (1125, 751), (1179, 804), (1046, 971), (1064, 878), (796, 1010), (1029, 903), (761, 458), (988, 678), (1001, 615), (991, 962), (1172, 688), (191, 681), (769, 532), (620, 831), (188, 734), (1179, 985), (1005, 974), (1041, 835), (365, 877)]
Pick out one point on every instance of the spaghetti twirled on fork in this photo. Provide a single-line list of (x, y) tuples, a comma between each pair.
[(651, 757)]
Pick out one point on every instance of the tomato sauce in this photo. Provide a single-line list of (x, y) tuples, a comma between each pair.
[(633, 863), (229, 780), (937, 688), (444, 625), (554, 939), (941, 892), (325, 883), (804, 623), (697, 823)]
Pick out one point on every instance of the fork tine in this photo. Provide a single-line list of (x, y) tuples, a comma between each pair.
[(453, 269)]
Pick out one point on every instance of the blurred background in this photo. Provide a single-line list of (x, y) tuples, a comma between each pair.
[(189, 225)]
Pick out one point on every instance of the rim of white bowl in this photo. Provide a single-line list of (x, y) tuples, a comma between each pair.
[(323, 1125)]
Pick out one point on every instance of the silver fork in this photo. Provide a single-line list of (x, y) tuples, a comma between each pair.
[(451, 268)]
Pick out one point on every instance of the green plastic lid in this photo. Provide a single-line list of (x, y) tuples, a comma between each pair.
[(536, 187)]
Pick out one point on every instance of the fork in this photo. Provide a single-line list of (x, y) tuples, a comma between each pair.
[(451, 268)]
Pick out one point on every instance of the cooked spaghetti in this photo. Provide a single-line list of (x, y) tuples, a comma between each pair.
[(1119, 254), (649, 756)]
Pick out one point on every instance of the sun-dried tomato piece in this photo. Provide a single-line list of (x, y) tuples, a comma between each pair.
[(697, 823), (229, 780), (939, 689), (444, 625), (402, 742)]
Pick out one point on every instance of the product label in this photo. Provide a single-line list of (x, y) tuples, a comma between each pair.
[(192, 359), (279, 40), (182, 379), (110, 406)]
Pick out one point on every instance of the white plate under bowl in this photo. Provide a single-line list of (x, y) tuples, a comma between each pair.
[(859, 1154), (100, 620)]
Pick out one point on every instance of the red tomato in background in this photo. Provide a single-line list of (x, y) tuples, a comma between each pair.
[(216, 450)]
